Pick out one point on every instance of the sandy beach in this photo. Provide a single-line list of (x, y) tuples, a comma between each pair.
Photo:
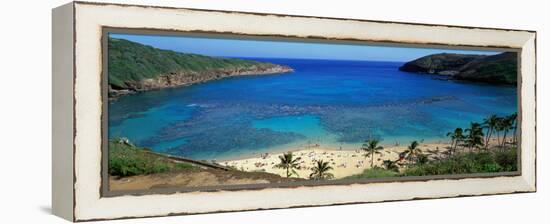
[(345, 162), (260, 169)]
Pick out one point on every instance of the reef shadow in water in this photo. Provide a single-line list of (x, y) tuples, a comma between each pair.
[(219, 130), (223, 128)]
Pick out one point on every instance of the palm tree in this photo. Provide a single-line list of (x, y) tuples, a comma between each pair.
[(390, 165), (456, 136), (491, 122), (474, 136), (371, 148), (507, 124), (499, 128), (320, 172), (514, 118), (289, 163), (412, 151)]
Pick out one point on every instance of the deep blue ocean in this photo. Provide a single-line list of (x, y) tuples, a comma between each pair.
[(332, 103)]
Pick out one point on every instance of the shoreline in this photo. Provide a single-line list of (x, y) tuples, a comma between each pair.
[(344, 162), (294, 147), (262, 170), (183, 79)]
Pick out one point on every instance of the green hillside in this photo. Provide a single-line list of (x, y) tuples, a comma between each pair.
[(498, 69), (131, 62)]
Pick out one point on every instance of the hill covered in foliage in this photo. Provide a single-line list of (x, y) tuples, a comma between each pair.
[(136, 67), (497, 69)]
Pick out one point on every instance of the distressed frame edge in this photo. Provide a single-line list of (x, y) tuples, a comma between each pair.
[(301, 206), (526, 181), (297, 16), (529, 73), (63, 27)]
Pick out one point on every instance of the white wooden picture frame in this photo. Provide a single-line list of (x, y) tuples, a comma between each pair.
[(78, 29)]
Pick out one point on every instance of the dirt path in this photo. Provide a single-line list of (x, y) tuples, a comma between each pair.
[(198, 178)]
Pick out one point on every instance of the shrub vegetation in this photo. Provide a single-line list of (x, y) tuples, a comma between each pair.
[(469, 162), (470, 152), (126, 159)]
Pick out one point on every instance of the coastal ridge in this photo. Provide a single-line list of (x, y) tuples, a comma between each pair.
[(493, 69), (135, 67)]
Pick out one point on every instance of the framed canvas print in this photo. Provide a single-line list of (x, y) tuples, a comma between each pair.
[(168, 111)]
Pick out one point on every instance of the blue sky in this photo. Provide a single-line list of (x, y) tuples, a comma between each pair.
[(282, 49)]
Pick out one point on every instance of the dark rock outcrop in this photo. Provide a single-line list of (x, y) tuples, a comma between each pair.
[(495, 69)]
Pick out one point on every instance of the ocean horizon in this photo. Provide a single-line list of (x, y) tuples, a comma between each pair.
[(335, 103)]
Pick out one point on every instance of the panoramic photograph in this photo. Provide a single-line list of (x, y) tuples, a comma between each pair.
[(211, 111)]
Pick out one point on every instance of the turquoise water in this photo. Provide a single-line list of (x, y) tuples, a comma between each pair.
[(306, 125), (335, 103)]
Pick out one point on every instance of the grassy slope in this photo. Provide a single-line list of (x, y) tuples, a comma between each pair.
[(134, 168), (130, 61), (463, 163), (128, 160)]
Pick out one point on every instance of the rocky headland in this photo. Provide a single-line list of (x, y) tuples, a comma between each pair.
[(495, 69), (135, 67)]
